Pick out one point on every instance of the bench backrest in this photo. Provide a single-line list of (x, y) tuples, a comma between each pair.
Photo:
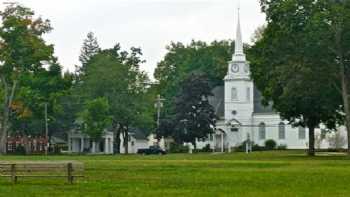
[(7, 168)]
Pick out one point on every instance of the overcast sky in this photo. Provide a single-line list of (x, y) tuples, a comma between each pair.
[(149, 24)]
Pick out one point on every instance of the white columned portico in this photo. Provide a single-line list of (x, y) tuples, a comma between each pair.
[(69, 143), (106, 146), (82, 144), (112, 145), (214, 142), (93, 150), (222, 142)]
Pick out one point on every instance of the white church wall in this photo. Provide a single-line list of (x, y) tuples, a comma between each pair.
[(243, 106), (272, 121), (335, 139)]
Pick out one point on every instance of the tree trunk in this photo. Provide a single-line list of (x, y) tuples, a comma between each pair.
[(4, 130), (311, 151), (126, 141), (344, 80), (345, 95), (194, 145), (3, 139), (7, 102), (117, 132)]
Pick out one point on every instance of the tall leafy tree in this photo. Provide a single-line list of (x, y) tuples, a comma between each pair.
[(45, 87), (328, 33), (301, 90), (96, 118), (22, 49), (114, 74), (181, 60)]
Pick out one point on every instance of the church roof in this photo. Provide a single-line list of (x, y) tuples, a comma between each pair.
[(138, 133), (258, 106), (217, 101)]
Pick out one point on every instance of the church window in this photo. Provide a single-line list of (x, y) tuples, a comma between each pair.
[(281, 131), (234, 94), (262, 131), (248, 94), (234, 129), (302, 133)]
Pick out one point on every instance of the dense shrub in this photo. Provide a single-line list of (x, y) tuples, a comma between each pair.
[(178, 148), (255, 147), (207, 149), (282, 147), (20, 150), (270, 144)]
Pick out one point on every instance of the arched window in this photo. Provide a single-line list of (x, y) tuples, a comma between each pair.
[(234, 94), (262, 131), (302, 133), (281, 131)]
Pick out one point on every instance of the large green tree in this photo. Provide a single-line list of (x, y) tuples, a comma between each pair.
[(114, 74), (45, 87), (179, 62), (22, 50), (96, 118), (328, 34), (301, 89), (194, 116)]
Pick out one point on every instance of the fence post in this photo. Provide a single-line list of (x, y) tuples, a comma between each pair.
[(13, 173), (70, 173)]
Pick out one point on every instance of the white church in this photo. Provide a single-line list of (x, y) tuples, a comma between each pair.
[(243, 117)]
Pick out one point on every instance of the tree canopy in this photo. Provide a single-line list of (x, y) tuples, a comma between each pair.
[(22, 51), (194, 116), (114, 74), (301, 89)]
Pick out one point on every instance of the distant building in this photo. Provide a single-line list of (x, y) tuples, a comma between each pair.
[(79, 142)]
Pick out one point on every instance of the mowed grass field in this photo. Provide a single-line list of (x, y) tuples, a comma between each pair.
[(287, 173)]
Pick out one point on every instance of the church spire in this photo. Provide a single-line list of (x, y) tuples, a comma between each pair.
[(238, 41), (239, 53)]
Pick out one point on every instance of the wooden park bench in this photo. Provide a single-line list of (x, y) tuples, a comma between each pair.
[(14, 170)]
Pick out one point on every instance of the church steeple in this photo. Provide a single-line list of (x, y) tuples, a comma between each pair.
[(239, 52)]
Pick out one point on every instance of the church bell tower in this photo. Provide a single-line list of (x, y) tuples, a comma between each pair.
[(239, 103)]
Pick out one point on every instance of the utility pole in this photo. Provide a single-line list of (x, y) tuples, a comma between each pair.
[(158, 105), (46, 131)]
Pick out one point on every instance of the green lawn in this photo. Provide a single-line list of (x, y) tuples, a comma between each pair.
[(259, 174)]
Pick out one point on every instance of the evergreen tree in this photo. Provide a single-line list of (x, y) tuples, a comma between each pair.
[(89, 49)]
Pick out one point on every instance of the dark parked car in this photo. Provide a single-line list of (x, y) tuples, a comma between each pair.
[(152, 150)]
